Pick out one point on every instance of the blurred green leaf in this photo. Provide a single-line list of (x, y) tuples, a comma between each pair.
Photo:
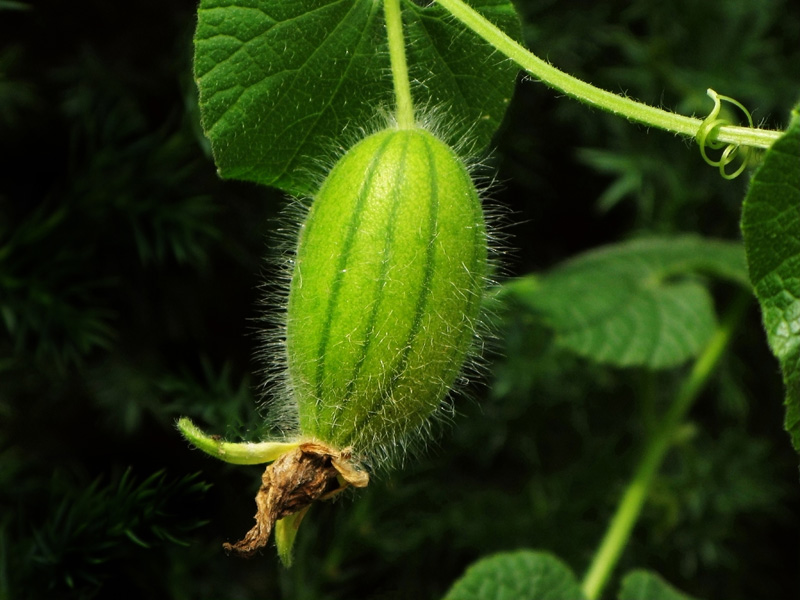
[(634, 175), (638, 303), (771, 229), (522, 575), (13, 5), (643, 585), (16, 96), (280, 81)]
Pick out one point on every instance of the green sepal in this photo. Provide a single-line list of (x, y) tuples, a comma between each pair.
[(244, 453), (285, 534)]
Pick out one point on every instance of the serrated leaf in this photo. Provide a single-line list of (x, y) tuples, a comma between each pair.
[(521, 575), (644, 585), (280, 82), (638, 303), (771, 229)]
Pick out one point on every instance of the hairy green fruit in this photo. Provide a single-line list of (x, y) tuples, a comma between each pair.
[(387, 284), (386, 287)]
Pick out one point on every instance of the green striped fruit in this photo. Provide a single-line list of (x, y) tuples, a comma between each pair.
[(388, 279)]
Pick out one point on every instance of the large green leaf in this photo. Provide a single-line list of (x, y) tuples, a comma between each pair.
[(771, 228), (638, 303), (283, 83), (643, 585), (522, 575)]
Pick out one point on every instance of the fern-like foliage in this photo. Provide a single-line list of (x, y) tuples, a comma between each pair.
[(81, 534)]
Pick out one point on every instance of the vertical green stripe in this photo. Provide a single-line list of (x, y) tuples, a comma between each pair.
[(422, 299), (382, 277), (336, 285)]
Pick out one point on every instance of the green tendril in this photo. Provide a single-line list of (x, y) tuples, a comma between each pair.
[(709, 128)]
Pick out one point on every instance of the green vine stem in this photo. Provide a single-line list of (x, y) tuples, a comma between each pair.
[(630, 506), (605, 100), (397, 55)]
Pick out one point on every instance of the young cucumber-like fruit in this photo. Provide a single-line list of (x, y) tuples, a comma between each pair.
[(388, 279)]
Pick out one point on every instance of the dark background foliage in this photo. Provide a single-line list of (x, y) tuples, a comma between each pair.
[(129, 278)]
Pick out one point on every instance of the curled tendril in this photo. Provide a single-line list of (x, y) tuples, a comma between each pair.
[(708, 130)]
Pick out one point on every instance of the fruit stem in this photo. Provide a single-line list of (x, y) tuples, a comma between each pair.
[(630, 506), (594, 96), (244, 453), (404, 109)]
